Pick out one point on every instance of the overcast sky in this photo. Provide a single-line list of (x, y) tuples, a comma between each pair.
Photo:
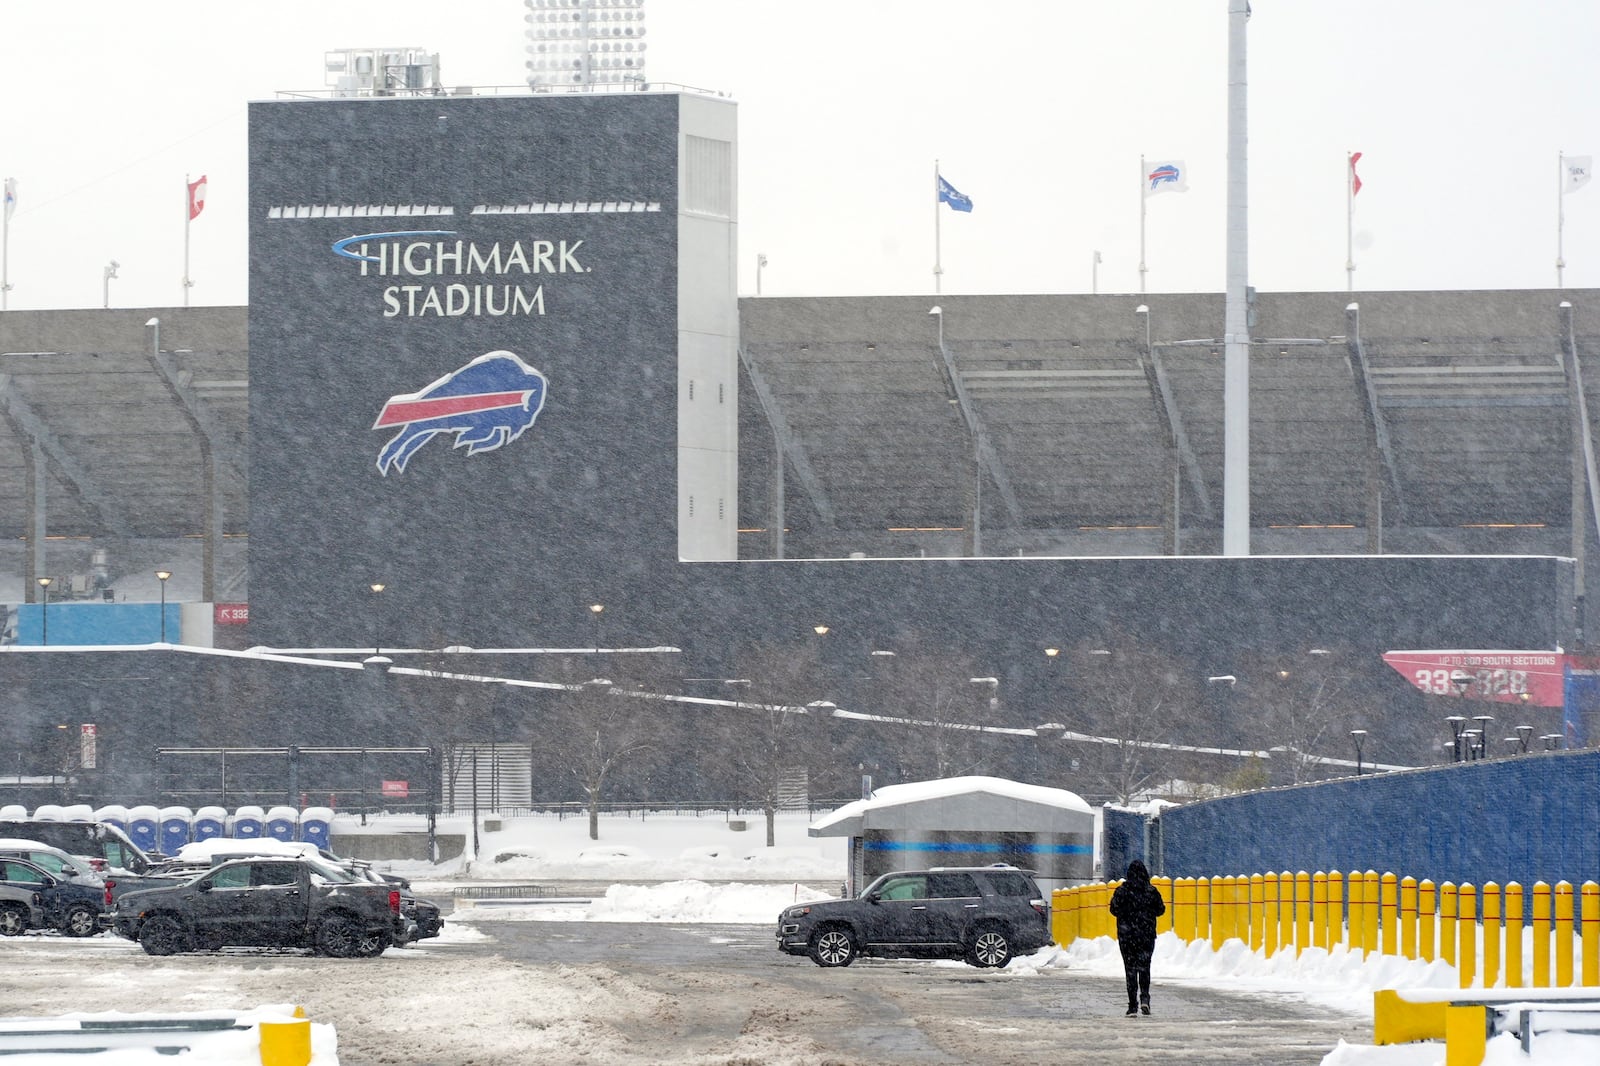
[(1039, 110)]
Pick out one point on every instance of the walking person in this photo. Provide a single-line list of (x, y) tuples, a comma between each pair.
[(1137, 904)]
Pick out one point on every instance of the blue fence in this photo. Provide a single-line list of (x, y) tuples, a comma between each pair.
[(1525, 818), (80, 624)]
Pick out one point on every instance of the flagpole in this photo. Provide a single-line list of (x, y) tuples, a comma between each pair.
[(5, 246), (1561, 210), (1349, 222), (188, 210), (938, 271), (1144, 194)]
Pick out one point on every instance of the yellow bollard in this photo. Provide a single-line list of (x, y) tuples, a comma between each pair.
[(1447, 922), (1164, 886), (1302, 911), (1335, 909), (1319, 909), (1355, 928), (1563, 934), (1388, 895), (1221, 911), (1513, 935), (1590, 935), (1183, 897), (1202, 909), (1105, 924), (1369, 909), (1541, 935), (1286, 911), (1427, 918), (1058, 916), (285, 1043), (1466, 1035), (1408, 917), (1269, 912), (1257, 911), (1490, 905), (1467, 913)]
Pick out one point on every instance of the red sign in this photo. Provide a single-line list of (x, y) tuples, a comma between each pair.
[(396, 789), (231, 614), (1534, 678)]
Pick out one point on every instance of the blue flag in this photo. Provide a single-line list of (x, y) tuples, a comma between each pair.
[(948, 194)]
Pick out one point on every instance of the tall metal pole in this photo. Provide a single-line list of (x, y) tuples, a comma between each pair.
[(1236, 330), (1349, 222), (1561, 211), (938, 271), (1144, 194)]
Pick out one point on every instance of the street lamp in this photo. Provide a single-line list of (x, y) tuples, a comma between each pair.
[(1458, 726), (1483, 721), (106, 275), (820, 631), (1229, 729), (761, 261), (1552, 741), (1359, 736), (1524, 733), (377, 588), (595, 611), (162, 576), (44, 612)]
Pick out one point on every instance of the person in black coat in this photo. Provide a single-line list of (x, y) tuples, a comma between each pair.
[(1137, 904)]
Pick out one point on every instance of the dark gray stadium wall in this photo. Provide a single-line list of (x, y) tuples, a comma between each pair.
[(1525, 819), (491, 548)]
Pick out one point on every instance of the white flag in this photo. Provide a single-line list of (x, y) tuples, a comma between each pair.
[(1575, 172), (1171, 176)]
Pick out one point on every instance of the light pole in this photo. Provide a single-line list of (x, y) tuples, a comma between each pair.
[(761, 261), (1358, 735), (106, 275), (1229, 727), (595, 611), (162, 576), (44, 612), (1524, 734), (377, 588), (1458, 726), (1483, 721)]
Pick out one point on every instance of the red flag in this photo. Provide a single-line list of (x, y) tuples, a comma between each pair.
[(1355, 179), (197, 197)]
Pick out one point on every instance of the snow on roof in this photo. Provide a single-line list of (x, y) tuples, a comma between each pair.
[(946, 788)]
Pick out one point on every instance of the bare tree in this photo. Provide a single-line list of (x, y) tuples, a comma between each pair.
[(594, 732), (945, 706), (1302, 706), (771, 732), (1138, 707)]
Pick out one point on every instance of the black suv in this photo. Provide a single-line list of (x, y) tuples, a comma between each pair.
[(983, 914), (263, 902)]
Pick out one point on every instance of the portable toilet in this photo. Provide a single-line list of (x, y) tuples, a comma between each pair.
[(209, 822), (247, 822), (281, 823), (13, 812), (113, 814), (316, 824), (174, 828), (48, 812), (77, 812), (144, 826)]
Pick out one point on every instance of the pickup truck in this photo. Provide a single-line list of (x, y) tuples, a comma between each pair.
[(263, 902)]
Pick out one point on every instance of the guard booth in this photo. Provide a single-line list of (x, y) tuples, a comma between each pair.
[(966, 821)]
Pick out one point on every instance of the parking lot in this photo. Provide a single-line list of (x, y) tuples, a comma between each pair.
[(610, 993)]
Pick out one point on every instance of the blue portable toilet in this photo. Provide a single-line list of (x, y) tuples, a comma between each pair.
[(175, 823), (13, 812), (113, 814), (281, 823), (144, 827), (77, 812), (247, 822), (316, 825), (49, 812), (209, 822)]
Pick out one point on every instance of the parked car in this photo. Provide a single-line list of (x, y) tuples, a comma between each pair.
[(983, 914), (66, 867), (418, 919), (96, 841), (64, 904), (263, 902), (19, 909)]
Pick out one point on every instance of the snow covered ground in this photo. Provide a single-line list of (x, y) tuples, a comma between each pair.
[(666, 868)]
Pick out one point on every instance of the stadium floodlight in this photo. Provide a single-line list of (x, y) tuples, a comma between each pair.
[(584, 43)]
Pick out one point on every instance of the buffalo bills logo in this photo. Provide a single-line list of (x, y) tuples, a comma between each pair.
[(1165, 172), (487, 403)]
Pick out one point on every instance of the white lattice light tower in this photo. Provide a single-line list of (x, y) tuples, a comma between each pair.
[(583, 43)]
